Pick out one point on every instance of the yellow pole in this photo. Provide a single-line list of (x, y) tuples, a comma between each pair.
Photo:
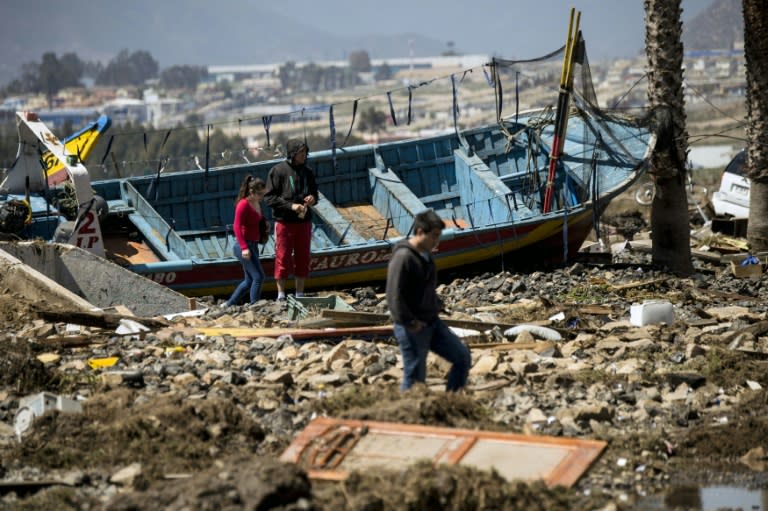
[(569, 49), (564, 74)]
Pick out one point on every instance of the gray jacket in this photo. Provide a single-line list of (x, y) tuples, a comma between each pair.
[(411, 285)]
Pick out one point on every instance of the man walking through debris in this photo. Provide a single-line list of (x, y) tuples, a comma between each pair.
[(414, 306)]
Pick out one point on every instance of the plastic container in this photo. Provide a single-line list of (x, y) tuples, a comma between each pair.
[(651, 313), (300, 307)]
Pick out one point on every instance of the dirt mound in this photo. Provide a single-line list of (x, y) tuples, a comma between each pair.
[(20, 370), (14, 311), (450, 488), (235, 483), (166, 434), (416, 406)]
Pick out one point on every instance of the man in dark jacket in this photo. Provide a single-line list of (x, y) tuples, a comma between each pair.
[(291, 190), (414, 306)]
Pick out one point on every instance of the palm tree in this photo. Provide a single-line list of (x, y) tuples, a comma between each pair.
[(755, 51), (670, 231)]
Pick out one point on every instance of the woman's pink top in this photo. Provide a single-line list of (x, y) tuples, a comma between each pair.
[(246, 223)]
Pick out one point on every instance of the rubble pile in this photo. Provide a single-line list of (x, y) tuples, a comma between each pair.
[(173, 418)]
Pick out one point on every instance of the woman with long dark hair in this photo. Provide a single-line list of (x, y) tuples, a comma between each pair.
[(248, 215)]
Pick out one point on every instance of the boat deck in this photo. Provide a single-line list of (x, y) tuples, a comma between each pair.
[(125, 252), (368, 222)]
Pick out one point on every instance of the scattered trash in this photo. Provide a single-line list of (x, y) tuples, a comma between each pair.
[(100, 363), (36, 405), (753, 385), (651, 312), (301, 307), (755, 459), (465, 332), (49, 358), (536, 330), (129, 326), (750, 268)]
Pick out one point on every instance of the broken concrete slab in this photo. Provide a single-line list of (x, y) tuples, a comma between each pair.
[(27, 281), (95, 280)]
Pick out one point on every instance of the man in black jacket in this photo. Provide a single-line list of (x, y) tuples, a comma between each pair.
[(414, 306), (291, 190)]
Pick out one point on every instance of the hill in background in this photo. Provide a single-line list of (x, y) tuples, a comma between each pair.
[(716, 28), (245, 32), (240, 32)]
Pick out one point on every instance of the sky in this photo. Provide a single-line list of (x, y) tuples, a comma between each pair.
[(509, 28), (242, 32)]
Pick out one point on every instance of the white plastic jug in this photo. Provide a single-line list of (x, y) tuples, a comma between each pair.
[(651, 312)]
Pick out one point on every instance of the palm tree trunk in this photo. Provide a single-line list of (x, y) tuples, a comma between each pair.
[(756, 56), (670, 230)]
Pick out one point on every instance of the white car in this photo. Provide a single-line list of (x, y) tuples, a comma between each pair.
[(732, 198)]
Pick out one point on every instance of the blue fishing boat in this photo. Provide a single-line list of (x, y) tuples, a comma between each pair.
[(487, 185)]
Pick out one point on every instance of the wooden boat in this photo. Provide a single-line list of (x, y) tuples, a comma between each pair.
[(487, 184)]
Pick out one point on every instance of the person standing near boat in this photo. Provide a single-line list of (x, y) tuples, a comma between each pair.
[(414, 306), (291, 191), (247, 227)]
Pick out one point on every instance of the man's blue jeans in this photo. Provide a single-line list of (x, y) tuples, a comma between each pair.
[(438, 338), (254, 274)]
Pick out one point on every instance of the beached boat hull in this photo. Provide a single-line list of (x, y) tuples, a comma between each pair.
[(487, 184)]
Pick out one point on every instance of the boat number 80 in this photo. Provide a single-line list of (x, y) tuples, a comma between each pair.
[(164, 278)]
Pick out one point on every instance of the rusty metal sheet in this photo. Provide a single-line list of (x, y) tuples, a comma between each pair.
[(330, 449)]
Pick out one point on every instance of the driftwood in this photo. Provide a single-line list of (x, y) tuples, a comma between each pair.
[(95, 318), (372, 318), (300, 333)]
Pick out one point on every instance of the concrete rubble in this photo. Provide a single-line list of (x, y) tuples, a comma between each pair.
[(660, 394)]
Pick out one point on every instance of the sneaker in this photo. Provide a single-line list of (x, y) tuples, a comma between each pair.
[(282, 298)]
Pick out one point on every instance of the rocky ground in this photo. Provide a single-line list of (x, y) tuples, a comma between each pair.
[(185, 421)]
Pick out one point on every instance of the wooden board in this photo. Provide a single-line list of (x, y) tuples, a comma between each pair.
[(298, 333), (331, 449)]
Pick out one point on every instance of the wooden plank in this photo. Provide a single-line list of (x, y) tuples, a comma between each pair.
[(537, 346), (632, 285), (595, 309), (647, 246), (70, 341), (96, 319), (299, 333), (728, 296), (373, 318)]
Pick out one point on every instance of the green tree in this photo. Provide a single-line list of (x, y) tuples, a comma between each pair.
[(183, 77), (372, 120), (287, 75), (383, 72), (49, 76), (359, 61), (311, 77), (129, 69), (451, 51), (670, 231)]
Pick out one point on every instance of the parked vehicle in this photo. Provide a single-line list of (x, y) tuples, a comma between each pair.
[(732, 198)]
